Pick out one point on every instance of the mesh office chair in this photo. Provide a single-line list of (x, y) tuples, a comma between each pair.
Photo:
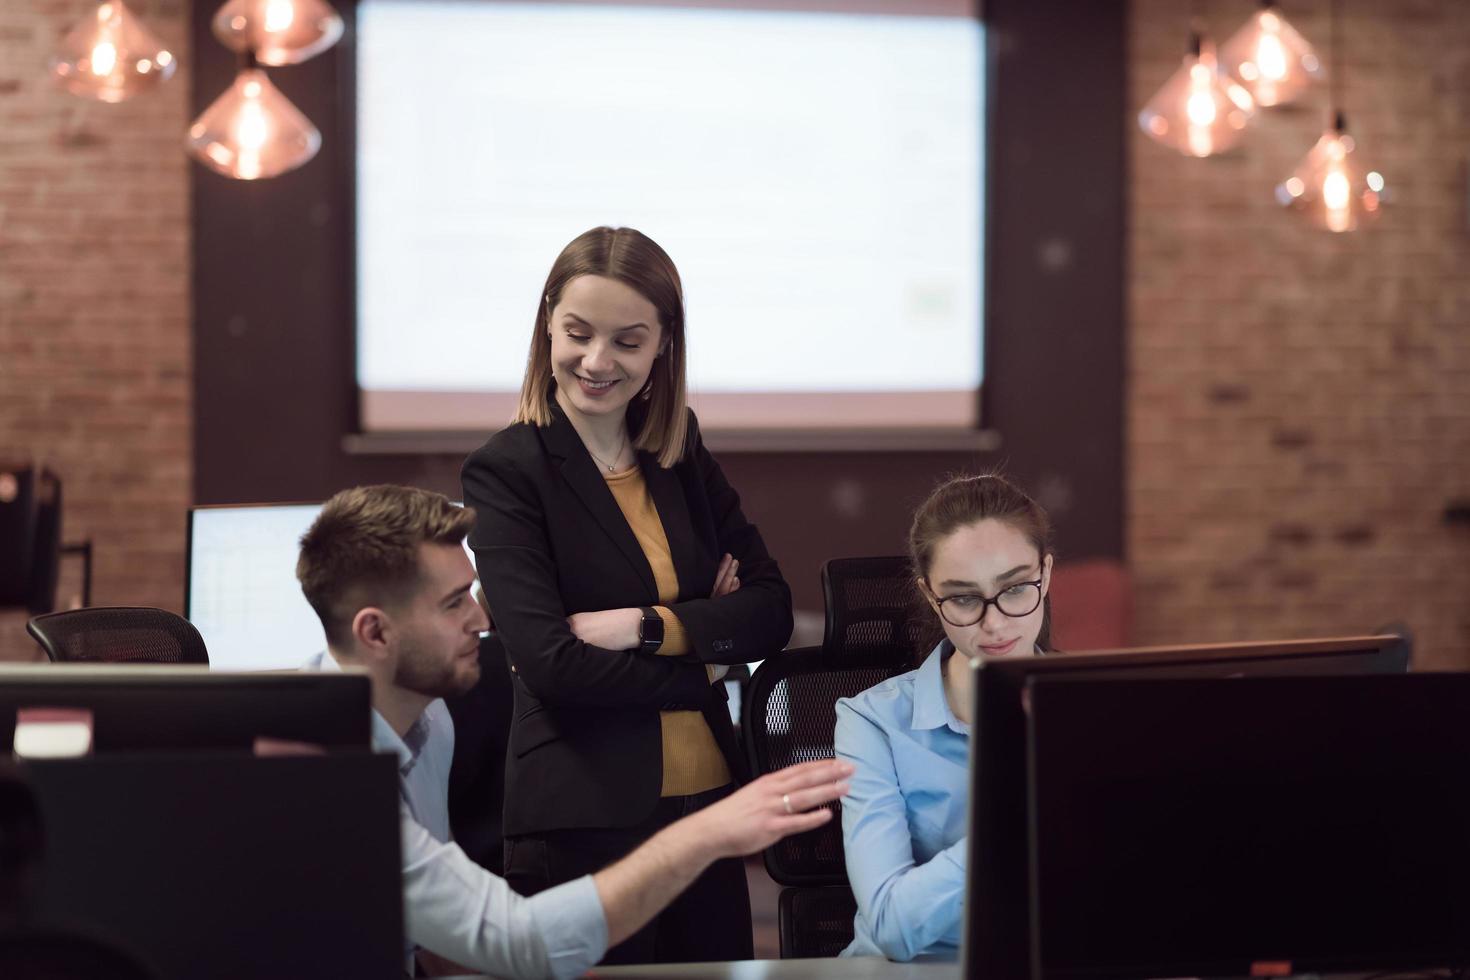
[(870, 606), (118, 634), (788, 717)]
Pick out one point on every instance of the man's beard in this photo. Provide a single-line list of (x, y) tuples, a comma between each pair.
[(436, 680)]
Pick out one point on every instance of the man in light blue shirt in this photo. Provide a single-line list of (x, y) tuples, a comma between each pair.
[(385, 569)]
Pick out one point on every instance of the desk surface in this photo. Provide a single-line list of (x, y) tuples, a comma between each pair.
[(845, 968), (834, 968), (848, 968)]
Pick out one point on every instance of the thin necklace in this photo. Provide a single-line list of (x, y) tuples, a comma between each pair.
[(616, 456)]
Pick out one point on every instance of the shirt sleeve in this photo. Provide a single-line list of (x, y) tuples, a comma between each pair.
[(908, 906), (457, 909)]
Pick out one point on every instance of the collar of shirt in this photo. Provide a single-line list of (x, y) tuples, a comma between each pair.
[(931, 707), (385, 739)]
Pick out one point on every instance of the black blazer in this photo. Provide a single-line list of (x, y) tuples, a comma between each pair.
[(585, 745)]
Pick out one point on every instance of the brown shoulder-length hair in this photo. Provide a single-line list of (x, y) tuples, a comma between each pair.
[(959, 502), (634, 259)]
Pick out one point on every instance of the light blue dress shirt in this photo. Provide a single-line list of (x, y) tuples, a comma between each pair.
[(904, 824), (454, 907)]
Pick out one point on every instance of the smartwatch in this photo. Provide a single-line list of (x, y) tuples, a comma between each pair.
[(650, 631)]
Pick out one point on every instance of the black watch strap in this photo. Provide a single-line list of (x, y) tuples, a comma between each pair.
[(650, 631)]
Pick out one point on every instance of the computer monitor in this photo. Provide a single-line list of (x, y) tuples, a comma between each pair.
[(189, 709), (996, 938), (241, 591), (1273, 826), (226, 866)]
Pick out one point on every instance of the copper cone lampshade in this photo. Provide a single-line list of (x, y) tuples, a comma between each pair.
[(1270, 58), (111, 56), (280, 32), (252, 131), (1331, 187), (1199, 111)]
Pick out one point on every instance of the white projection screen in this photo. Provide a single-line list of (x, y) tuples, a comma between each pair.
[(816, 175)]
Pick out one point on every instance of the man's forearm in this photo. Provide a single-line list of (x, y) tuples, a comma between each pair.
[(755, 816), (642, 884)]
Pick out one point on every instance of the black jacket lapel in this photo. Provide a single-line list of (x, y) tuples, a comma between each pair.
[(581, 474)]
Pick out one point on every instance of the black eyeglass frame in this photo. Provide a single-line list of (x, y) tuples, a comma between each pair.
[(986, 602)]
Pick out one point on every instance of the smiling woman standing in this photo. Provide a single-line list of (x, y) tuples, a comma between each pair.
[(621, 574)]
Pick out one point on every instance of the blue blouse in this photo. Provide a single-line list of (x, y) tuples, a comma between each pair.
[(904, 823)]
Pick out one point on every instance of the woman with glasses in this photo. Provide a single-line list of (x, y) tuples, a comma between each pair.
[(982, 563)]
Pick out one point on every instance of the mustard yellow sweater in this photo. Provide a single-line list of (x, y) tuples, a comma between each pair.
[(693, 761)]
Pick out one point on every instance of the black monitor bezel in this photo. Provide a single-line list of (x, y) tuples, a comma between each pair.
[(996, 935), (154, 708)]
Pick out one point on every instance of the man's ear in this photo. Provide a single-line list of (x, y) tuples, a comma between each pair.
[(372, 630)]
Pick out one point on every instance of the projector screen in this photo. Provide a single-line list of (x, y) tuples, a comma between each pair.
[(816, 177)]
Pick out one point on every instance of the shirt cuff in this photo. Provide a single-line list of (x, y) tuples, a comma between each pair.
[(676, 641), (571, 921)]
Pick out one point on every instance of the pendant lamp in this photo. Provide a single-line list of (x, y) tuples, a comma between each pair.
[(111, 56), (280, 32), (1200, 110), (252, 131), (1269, 57), (1332, 187)]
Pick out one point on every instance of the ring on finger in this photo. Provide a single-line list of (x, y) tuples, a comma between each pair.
[(786, 802)]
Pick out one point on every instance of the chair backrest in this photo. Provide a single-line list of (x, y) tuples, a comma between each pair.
[(118, 634), (870, 604), (788, 717), (815, 921)]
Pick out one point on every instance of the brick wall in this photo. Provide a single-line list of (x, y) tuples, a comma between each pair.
[(1299, 402), (94, 304)]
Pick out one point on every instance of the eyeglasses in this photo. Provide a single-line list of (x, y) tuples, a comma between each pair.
[(968, 608)]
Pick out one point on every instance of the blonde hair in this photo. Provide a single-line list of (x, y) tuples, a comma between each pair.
[(363, 549), (632, 258)]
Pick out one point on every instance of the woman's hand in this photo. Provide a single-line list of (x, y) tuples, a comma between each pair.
[(726, 581), (611, 629)]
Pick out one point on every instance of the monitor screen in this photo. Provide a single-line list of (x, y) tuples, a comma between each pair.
[(996, 941), (241, 591), (226, 867), (1288, 824), (151, 708)]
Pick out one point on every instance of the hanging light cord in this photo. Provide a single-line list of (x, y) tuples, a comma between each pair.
[(1334, 12)]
